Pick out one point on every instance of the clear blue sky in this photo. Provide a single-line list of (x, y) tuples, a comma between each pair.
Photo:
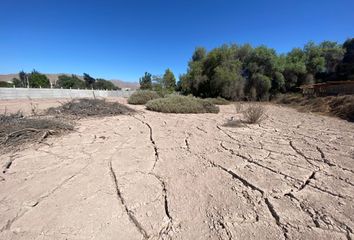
[(123, 39)]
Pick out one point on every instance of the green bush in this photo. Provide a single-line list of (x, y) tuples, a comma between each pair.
[(65, 81), (38, 80), (5, 84), (181, 104), (218, 101), (141, 97), (104, 84)]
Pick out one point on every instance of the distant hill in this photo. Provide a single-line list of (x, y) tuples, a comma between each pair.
[(54, 77)]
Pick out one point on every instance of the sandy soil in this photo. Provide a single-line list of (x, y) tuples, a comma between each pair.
[(27, 106), (168, 176)]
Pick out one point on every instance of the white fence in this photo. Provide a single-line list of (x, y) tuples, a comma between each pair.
[(23, 93)]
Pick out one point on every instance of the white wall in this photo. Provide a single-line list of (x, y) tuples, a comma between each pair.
[(24, 93)]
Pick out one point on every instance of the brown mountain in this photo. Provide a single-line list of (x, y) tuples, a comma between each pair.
[(54, 77)]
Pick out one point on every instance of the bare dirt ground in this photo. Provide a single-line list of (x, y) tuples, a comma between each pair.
[(169, 176), (27, 106)]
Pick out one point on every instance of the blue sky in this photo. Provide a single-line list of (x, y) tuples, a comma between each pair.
[(124, 38)]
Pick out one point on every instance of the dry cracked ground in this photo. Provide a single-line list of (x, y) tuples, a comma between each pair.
[(170, 176)]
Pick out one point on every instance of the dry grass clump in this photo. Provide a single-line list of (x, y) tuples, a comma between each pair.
[(238, 107), (291, 98), (181, 104), (141, 97), (218, 101), (255, 113), (90, 107), (16, 130), (342, 107), (235, 123), (339, 106)]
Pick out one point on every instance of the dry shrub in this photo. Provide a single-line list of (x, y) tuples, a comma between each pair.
[(339, 106), (342, 107), (234, 123), (141, 97), (181, 104), (90, 107), (239, 107), (16, 130), (34, 109), (291, 98), (255, 113), (218, 101)]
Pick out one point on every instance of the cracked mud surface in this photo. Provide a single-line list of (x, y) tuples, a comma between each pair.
[(168, 176)]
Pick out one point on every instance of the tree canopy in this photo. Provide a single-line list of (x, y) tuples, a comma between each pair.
[(146, 81), (104, 84), (38, 80), (237, 71), (89, 80), (169, 80), (65, 81)]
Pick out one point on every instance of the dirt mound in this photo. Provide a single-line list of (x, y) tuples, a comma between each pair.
[(16, 130), (90, 107), (339, 106)]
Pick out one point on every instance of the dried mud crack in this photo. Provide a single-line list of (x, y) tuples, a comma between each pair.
[(152, 141), (131, 216), (184, 176), (246, 183), (276, 218)]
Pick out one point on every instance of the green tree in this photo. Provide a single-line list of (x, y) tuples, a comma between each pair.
[(183, 85), (199, 54), (262, 84), (278, 83), (65, 81), (315, 62), (345, 69), (23, 79), (190, 82), (263, 67), (294, 69), (146, 81), (5, 84), (104, 84), (89, 81), (18, 83), (169, 80), (228, 80), (157, 82), (232, 71), (262, 60), (333, 54), (37, 80)]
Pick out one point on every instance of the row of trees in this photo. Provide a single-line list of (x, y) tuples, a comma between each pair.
[(73, 81), (33, 79), (165, 83), (238, 71), (36, 79)]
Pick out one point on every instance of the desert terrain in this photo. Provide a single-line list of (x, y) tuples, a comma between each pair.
[(183, 176)]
